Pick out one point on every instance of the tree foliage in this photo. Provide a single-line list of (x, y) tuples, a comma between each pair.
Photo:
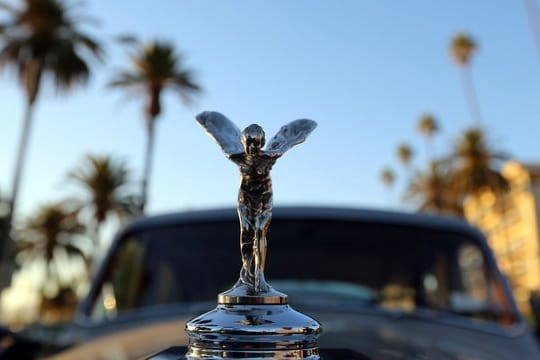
[(42, 38), (105, 181), (469, 168), (404, 153), (462, 48)]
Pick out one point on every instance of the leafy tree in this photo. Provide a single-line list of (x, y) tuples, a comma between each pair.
[(156, 67), (470, 168), (433, 192), (476, 165), (429, 127), (41, 39), (405, 154), (106, 184), (388, 177), (462, 49), (51, 231)]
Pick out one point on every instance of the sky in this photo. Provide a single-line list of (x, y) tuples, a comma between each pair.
[(363, 70)]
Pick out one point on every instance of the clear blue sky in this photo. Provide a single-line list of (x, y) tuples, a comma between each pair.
[(364, 70)]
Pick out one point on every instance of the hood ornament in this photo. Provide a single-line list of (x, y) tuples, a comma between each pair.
[(252, 320)]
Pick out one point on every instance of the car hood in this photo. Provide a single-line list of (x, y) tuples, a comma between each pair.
[(345, 335), (414, 337)]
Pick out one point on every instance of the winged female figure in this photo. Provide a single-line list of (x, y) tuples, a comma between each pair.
[(245, 149)]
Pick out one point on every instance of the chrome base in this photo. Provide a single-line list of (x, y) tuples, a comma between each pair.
[(242, 294), (253, 332)]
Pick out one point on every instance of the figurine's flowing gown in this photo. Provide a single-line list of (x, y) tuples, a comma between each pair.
[(255, 213)]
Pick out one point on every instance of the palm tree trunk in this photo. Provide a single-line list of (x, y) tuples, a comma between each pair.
[(21, 157), (471, 98), (6, 246), (147, 163), (430, 149), (95, 236), (534, 21)]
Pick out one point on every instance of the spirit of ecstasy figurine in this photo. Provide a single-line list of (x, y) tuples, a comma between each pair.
[(252, 320), (245, 149)]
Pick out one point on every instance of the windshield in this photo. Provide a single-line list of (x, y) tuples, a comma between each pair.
[(315, 262)]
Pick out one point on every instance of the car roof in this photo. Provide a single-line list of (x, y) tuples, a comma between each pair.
[(443, 223)]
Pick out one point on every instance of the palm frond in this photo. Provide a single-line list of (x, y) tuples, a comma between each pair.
[(156, 67), (42, 39), (462, 48), (432, 191), (428, 125), (75, 251), (105, 180), (90, 44), (404, 153), (388, 177), (51, 228), (127, 79), (476, 164), (127, 39)]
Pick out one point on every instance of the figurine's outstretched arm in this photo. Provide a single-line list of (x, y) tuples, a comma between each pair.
[(222, 130), (290, 135)]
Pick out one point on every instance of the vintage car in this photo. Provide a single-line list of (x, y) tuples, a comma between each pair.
[(384, 285)]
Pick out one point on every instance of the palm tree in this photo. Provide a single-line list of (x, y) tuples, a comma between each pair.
[(53, 230), (156, 68), (41, 39), (105, 181), (476, 165), (388, 177), (405, 154), (462, 48), (428, 126), (433, 191)]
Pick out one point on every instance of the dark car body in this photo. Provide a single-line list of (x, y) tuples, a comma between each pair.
[(384, 285)]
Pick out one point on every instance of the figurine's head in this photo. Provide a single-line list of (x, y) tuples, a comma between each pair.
[(253, 139)]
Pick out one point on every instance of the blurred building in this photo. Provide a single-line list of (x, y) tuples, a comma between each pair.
[(511, 224)]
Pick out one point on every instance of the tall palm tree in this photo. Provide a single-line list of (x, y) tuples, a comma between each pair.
[(42, 39), (428, 126), (462, 48), (157, 67), (405, 154), (106, 183), (52, 230), (477, 165), (388, 177), (432, 191)]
